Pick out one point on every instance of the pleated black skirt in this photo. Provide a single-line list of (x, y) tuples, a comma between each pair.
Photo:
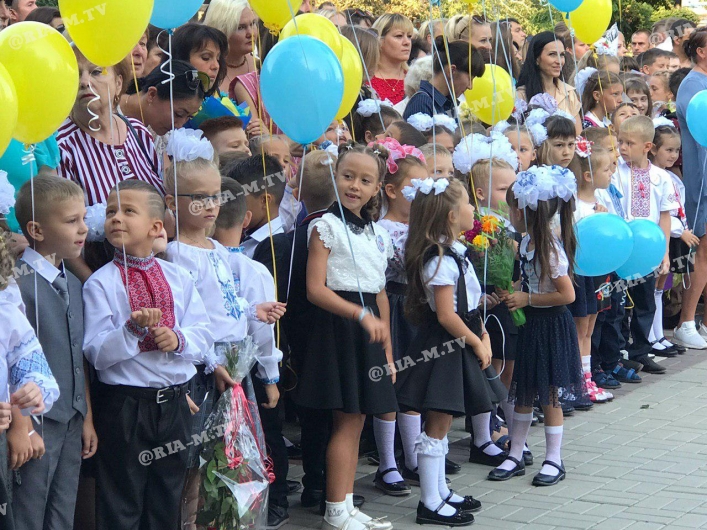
[(341, 369), (401, 331), (439, 373)]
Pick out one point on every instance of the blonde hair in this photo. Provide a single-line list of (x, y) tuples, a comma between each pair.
[(41, 195), (367, 45), (458, 27), (665, 80), (6, 263), (640, 126), (317, 190), (184, 168), (431, 150), (481, 171), (225, 15), (392, 21), (427, 27)]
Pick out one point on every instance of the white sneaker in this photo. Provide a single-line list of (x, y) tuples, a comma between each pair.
[(703, 331), (688, 336)]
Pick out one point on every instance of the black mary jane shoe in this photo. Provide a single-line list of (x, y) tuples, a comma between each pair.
[(677, 347), (550, 480), (427, 516), (499, 475), (396, 489), (478, 456), (451, 468), (468, 504), (527, 456)]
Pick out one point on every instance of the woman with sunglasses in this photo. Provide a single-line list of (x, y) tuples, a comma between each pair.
[(151, 105)]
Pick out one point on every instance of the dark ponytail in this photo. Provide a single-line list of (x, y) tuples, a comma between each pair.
[(698, 39)]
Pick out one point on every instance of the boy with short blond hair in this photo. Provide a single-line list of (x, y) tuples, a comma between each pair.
[(50, 211)]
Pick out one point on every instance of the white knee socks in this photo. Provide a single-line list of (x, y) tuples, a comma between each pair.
[(430, 452), (657, 328), (410, 427), (553, 449), (481, 427), (519, 434), (384, 432)]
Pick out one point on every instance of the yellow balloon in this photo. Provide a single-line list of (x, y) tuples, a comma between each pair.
[(590, 20), (491, 97), (275, 13), (106, 31), (353, 77), (43, 68), (315, 26), (8, 104)]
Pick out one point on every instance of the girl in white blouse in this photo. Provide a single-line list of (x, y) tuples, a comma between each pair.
[(442, 373), (347, 364)]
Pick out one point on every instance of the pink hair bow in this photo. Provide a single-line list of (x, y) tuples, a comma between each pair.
[(397, 151)]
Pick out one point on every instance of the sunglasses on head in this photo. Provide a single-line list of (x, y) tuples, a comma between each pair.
[(194, 79)]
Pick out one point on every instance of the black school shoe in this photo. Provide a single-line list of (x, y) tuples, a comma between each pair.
[(649, 365), (277, 517), (427, 516), (500, 475), (451, 468), (468, 504), (550, 480), (396, 489), (478, 456), (677, 347), (412, 477), (311, 498), (293, 487)]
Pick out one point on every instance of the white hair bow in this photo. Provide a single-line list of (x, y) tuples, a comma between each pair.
[(7, 194), (186, 145), (542, 183), (425, 186)]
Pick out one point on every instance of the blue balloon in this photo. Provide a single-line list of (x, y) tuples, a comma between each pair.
[(604, 243), (648, 250), (302, 86), (170, 14), (696, 122), (566, 6)]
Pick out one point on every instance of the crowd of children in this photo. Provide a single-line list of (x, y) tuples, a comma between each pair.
[(342, 265)]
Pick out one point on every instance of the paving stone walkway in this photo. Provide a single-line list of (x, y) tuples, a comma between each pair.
[(638, 463)]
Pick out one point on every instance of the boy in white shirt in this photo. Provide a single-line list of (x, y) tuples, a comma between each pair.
[(145, 328), (646, 193)]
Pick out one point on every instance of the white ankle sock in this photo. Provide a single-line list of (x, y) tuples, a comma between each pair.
[(587, 364), (553, 449), (481, 427), (410, 427), (337, 514), (657, 328), (519, 433), (360, 516), (384, 432), (430, 452)]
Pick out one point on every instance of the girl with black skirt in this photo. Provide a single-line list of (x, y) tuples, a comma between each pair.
[(347, 365), (442, 373), (548, 351), (409, 165)]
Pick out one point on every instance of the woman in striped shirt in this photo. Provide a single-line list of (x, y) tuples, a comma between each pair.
[(98, 147)]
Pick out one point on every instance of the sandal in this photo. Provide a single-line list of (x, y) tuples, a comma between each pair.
[(620, 373), (605, 380)]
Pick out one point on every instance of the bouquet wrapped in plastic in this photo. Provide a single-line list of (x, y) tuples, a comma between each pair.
[(493, 255), (235, 471)]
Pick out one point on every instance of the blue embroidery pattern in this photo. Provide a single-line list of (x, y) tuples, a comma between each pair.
[(231, 302), (33, 363)]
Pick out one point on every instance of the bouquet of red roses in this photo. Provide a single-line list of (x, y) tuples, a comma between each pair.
[(491, 250)]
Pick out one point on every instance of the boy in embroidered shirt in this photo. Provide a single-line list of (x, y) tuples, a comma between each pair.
[(263, 183), (145, 328), (51, 213), (647, 193)]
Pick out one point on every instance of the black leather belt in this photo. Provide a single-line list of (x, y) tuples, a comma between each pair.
[(158, 395)]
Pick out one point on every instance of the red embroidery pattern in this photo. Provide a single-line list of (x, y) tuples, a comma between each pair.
[(148, 287), (640, 192)]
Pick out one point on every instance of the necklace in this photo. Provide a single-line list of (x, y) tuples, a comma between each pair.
[(201, 244), (245, 58)]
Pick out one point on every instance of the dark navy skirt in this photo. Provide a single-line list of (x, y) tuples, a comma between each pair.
[(547, 358), (585, 297), (401, 331)]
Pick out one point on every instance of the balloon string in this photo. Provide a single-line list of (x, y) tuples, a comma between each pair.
[(294, 235), (29, 159), (94, 116)]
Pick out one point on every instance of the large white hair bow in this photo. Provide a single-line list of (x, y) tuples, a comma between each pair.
[(580, 80), (369, 107), (475, 147), (542, 183), (7, 194), (186, 145), (425, 186)]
